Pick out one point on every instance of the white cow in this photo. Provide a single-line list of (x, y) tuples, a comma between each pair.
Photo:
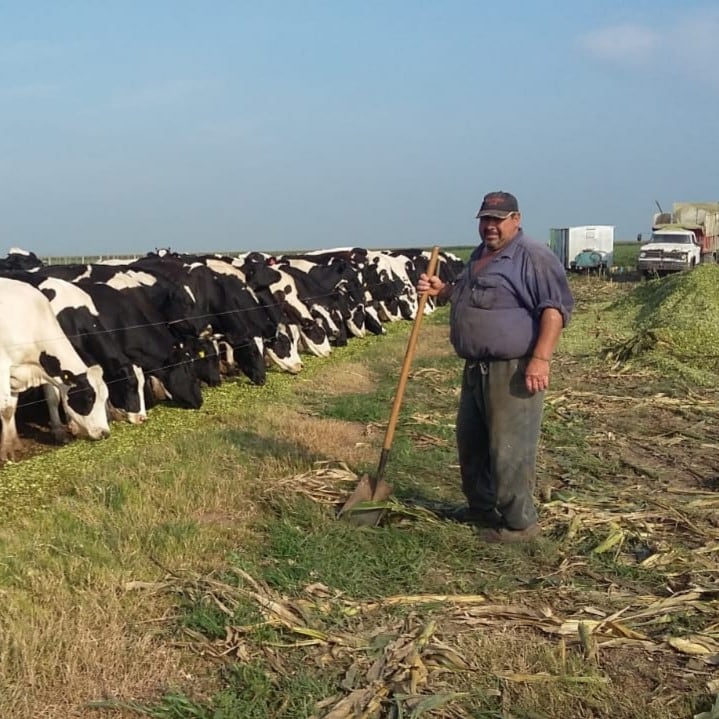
[(84, 328), (34, 352)]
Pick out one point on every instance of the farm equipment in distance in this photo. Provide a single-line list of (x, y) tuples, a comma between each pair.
[(681, 239), (584, 249)]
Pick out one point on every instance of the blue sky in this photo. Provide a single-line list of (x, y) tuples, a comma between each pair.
[(126, 126)]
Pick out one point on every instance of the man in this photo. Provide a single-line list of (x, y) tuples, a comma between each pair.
[(509, 307)]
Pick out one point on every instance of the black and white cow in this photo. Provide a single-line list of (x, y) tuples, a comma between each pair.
[(331, 283), (19, 259), (416, 262), (276, 287), (83, 326), (218, 308), (263, 322), (168, 303), (34, 352), (145, 338)]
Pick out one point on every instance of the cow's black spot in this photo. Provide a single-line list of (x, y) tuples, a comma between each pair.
[(280, 345), (50, 364), (313, 331), (81, 396)]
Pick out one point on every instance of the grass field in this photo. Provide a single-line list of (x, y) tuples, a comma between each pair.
[(626, 253), (194, 568)]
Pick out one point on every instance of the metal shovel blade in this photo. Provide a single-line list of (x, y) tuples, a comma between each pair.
[(360, 509)]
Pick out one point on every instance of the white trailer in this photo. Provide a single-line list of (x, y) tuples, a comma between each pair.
[(589, 247)]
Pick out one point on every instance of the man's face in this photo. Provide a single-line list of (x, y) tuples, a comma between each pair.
[(497, 232)]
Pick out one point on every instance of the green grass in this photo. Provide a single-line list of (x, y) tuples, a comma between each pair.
[(626, 254), (250, 693), (195, 496)]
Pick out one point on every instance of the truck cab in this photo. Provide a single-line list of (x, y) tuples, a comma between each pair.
[(670, 249)]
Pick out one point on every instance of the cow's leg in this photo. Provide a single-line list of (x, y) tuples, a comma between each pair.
[(228, 367), (158, 391), (58, 430), (10, 442)]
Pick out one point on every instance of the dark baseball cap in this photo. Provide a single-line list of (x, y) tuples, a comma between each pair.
[(498, 204)]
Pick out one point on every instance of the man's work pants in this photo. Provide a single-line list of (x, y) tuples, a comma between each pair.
[(498, 425)]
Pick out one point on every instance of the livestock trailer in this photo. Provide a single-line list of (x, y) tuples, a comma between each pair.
[(589, 247)]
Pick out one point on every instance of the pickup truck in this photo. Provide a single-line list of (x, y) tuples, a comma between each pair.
[(669, 250)]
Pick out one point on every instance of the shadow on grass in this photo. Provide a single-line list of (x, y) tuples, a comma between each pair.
[(262, 447)]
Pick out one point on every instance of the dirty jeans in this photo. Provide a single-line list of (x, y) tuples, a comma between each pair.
[(498, 425)]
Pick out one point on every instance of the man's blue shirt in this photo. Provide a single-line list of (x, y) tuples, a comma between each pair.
[(495, 314)]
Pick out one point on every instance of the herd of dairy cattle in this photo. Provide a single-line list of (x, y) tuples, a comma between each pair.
[(106, 341)]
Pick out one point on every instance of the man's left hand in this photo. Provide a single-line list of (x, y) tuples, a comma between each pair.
[(536, 376)]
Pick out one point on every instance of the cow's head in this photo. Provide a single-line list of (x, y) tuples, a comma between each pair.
[(181, 380), (282, 350), (206, 358), (84, 399), (84, 396), (249, 359), (125, 385)]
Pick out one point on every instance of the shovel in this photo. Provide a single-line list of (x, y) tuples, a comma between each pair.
[(361, 508)]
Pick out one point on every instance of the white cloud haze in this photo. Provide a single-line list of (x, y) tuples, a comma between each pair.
[(622, 43)]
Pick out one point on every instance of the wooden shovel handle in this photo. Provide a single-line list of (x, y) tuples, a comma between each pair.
[(408, 356)]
